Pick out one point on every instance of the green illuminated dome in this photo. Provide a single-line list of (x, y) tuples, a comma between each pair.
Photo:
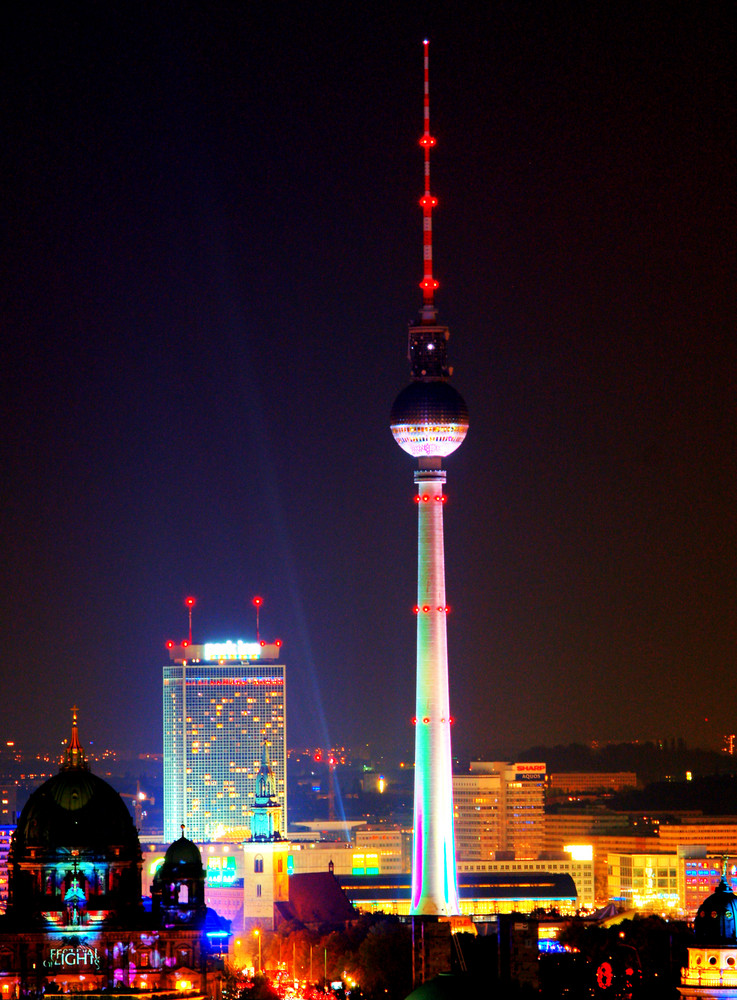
[(716, 920), (182, 853)]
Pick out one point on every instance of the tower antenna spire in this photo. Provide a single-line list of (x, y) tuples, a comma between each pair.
[(428, 202)]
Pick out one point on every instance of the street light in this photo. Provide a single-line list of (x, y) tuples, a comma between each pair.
[(257, 932)]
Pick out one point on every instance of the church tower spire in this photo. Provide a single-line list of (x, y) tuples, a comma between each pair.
[(75, 757), (266, 819)]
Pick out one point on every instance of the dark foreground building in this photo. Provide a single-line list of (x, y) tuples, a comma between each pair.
[(76, 921)]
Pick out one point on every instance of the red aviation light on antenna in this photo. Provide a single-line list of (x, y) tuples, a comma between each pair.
[(185, 643), (257, 602), (190, 603), (277, 643)]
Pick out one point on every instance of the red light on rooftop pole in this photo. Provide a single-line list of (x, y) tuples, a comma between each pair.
[(190, 603), (257, 602)]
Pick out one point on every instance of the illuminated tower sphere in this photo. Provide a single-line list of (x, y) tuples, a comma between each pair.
[(429, 421)]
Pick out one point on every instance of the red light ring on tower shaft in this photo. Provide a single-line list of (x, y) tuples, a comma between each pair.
[(414, 720), (426, 720), (425, 608), (416, 609), (417, 498), (428, 201), (429, 283), (428, 141), (425, 497)]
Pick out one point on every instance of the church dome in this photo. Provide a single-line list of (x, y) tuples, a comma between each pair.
[(716, 920), (75, 857), (182, 853), (75, 809)]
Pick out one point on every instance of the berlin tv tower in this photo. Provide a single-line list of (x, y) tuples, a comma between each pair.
[(429, 421)]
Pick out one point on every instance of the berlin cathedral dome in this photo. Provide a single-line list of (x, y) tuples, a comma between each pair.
[(76, 920), (75, 857)]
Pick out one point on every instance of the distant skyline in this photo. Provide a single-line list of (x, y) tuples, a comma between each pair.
[(212, 253)]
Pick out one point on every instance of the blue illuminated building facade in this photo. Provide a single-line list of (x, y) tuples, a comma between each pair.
[(223, 704)]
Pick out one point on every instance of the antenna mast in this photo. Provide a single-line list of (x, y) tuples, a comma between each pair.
[(428, 202)]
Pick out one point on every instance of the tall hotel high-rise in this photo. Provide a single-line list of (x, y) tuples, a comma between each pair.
[(429, 420), (223, 702)]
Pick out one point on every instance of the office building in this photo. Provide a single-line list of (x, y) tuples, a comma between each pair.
[(576, 861), (716, 834), (6, 836), (499, 807), (223, 702), (644, 882), (583, 784)]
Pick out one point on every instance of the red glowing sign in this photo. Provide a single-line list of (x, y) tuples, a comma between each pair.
[(604, 975)]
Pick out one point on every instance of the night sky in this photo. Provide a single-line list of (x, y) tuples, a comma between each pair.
[(211, 252)]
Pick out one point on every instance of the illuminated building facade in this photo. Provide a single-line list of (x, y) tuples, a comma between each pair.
[(644, 882), (429, 420), (718, 837), (75, 919), (499, 806), (6, 834), (582, 784), (576, 861), (223, 702)]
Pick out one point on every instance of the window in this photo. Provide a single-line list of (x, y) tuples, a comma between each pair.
[(258, 891), (258, 864)]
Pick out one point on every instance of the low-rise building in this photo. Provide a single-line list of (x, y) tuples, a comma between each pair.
[(644, 882)]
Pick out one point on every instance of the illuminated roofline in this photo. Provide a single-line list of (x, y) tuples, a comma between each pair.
[(228, 651)]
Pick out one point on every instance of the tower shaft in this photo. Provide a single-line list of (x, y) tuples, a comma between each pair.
[(434, 882)]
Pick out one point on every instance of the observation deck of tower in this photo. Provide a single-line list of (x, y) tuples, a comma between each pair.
[(429, 421)]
